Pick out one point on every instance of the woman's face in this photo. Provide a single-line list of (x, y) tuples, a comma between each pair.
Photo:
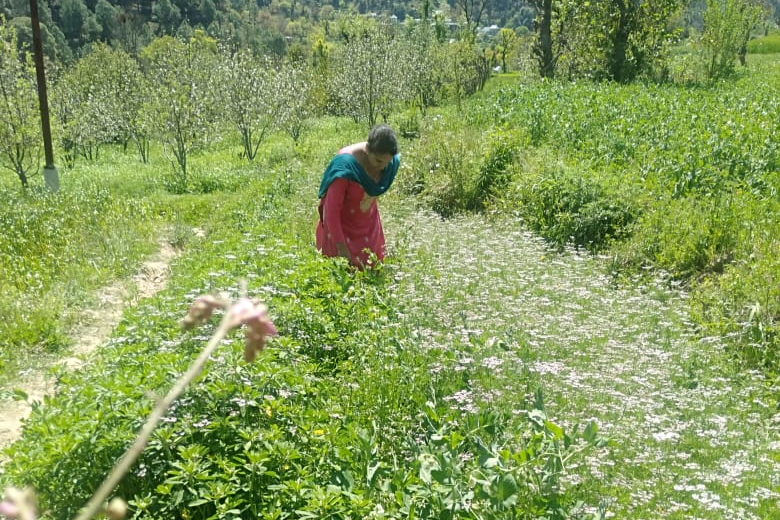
[(378, 161)]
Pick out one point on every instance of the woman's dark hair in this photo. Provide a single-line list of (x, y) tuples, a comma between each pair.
[(381, 139)]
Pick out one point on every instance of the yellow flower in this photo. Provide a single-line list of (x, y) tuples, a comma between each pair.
[(319, 432)]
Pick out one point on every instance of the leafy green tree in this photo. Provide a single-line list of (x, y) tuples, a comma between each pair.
[(52, 40), (107, 17), (507, 40), (20, 126), (207, 13), (78, 24), (638, 35), (466, 69), (368, 79), (168, 15), (253, 99), (132, 34), (183, 85), (612, 39), (272, 41), (727, 27), (546, 49)]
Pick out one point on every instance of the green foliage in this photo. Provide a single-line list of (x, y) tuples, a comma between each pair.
[(727, 28), (77, 23), (99, 101), (442, 166), (466, 70), (494, 174), (769, 44), (674, 144), (357, 410), (507, 41), (53, 250), (19, 117), (666, 177), (743, 303), (183, 100), (685, 237), (341, 416), (566, 207), (422, 57), (613, 40)]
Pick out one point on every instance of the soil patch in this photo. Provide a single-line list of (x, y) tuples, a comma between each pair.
[(94, 329)]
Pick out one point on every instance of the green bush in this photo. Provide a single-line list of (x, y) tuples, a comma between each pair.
[(407, 123), (451, 174), (495, 172), (566, 208), (441, 166), (684, 237)]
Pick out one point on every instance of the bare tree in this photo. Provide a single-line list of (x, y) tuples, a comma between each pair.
[(368, 80), (472, 12)]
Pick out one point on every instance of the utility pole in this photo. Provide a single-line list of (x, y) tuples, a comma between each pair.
[(50, 174)]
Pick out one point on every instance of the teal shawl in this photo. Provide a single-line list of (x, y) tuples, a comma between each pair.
[(345, 166)]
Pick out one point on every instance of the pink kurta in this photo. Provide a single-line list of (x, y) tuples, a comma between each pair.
[(348, 214)]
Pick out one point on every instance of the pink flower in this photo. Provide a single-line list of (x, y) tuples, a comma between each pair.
[(201, 310), (244, 312), (9, 510), (254, 316), (18, 504)]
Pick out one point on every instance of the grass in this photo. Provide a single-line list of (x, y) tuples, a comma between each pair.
[(55, 250), (768, 44)]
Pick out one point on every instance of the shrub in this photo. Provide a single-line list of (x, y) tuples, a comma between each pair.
[(407, 123), (494, 175), (567, 208), (441, 167), (684, 237)]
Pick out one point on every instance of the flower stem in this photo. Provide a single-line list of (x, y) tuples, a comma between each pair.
[(125, 463)]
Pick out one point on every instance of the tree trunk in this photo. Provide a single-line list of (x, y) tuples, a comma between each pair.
[(618, 69), (22, 177), (543, 46)]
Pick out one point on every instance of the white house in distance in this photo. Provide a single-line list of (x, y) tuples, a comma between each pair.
[(489, 31)]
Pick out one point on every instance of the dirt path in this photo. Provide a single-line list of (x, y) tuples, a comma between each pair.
[(94, 329)]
